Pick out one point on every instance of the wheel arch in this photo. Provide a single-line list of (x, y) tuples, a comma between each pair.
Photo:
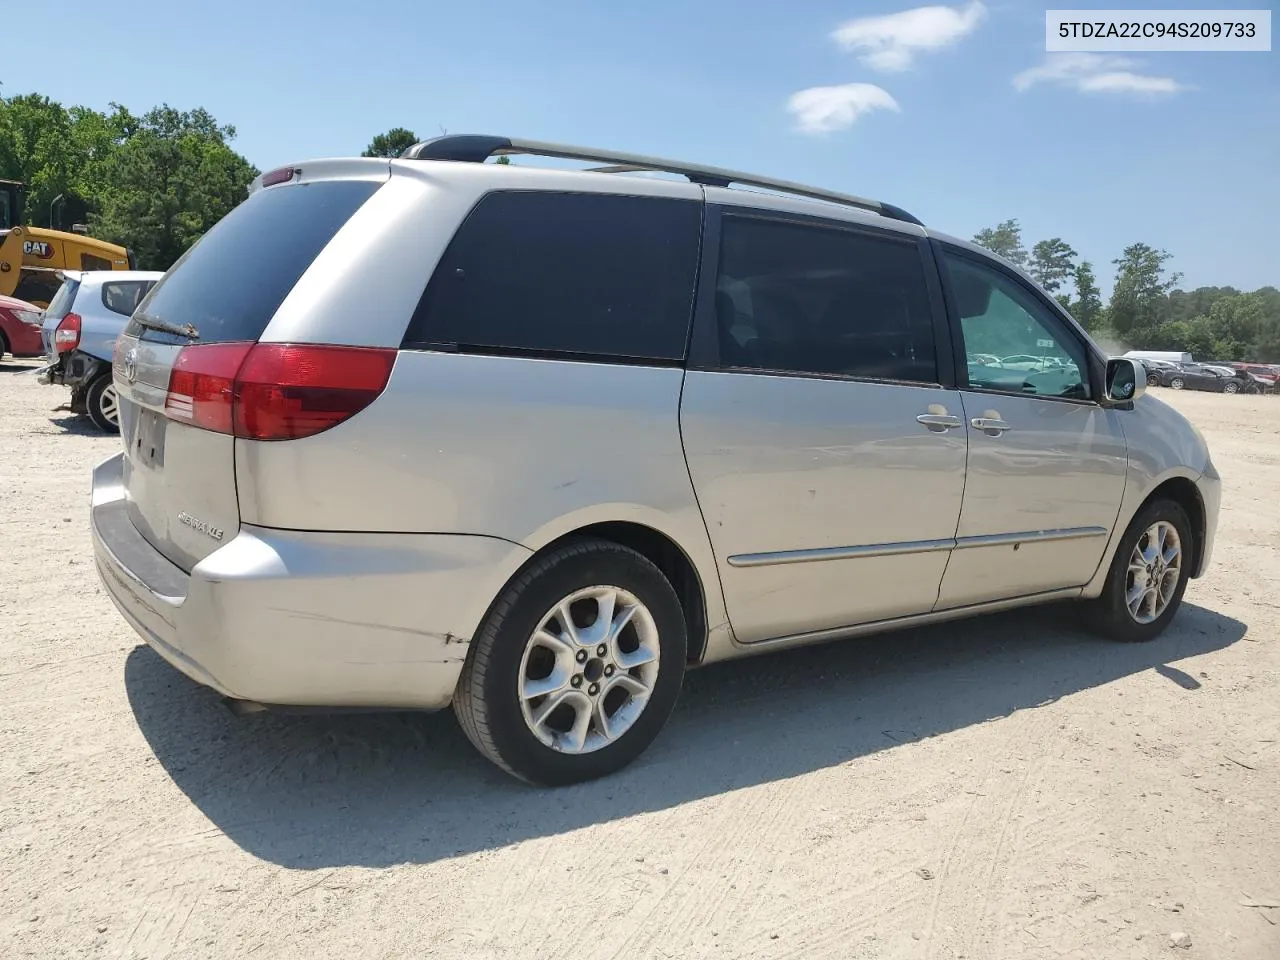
[(1179, 487), (665, 554), (1185, 494)]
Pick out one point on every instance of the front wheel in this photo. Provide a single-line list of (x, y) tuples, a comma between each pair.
[(1153, 381), (576, 667), (1231, 388), (103, 404), (1177, 383), (1148, 575)]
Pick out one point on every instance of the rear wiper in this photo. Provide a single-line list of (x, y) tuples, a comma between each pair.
[(187, 330)]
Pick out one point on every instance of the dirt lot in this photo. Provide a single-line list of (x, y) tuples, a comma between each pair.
[(1002, 788)]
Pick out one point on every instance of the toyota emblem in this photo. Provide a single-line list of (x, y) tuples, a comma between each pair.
[(131, 365)]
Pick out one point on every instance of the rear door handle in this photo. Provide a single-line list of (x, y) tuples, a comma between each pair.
[(939, 422), (991, 426)]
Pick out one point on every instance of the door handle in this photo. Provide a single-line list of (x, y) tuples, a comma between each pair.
[(939, 422), (991, 426)]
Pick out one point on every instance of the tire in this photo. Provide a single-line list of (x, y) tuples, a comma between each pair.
[(1231, 388), (1153, 381), (1177, 383), (102, 404), (495, 703), (4, 345), (1110, 614)]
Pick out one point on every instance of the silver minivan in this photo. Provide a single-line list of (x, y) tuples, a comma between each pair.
[(533, 442)]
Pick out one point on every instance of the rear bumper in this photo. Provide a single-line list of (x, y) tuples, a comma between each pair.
[(308, 619), (74, 369)]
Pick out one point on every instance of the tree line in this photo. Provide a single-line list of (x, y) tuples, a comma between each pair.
[(152, 182), (1147, 309)]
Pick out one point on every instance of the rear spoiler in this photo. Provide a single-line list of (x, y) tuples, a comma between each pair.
[(128, 253)]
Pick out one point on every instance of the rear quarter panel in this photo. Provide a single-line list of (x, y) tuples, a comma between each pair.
[(523, 449)]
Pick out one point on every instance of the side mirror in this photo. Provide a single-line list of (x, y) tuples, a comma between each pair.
[(1126, 381)]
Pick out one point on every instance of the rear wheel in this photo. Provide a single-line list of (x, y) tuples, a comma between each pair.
[(577, 665), (1177, 383), (1148, 575), (1153, 380), (103, 404)]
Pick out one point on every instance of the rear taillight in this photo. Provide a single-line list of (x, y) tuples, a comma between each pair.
[(67, 336), (274, 391), (202, 384)]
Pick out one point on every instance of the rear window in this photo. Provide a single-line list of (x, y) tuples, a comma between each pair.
[(233, 280), (591, 275), (122, 296), (60, 305)]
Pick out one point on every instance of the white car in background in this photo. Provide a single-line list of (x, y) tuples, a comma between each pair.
[(81, 324)]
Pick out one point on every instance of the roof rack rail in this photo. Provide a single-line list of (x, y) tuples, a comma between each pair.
[(477, 148)]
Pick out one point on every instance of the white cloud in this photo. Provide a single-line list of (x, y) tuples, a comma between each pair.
[(1095, 73), (1122, 81), (891, 42), (824, 109)]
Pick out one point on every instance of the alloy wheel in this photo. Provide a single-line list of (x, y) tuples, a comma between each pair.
[(109, 405), (589, 669), (1155, 568)]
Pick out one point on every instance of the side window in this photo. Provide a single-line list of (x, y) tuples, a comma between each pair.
[(822, 300), (89, 262), (581, 273), (1012, 341), (122, 297)]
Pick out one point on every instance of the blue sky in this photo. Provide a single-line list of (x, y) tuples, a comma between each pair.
[(1178, 150)]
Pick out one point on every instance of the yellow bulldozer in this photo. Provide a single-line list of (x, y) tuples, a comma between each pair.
[(31, 257)]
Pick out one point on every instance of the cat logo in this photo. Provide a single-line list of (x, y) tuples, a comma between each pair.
[(37, 248)]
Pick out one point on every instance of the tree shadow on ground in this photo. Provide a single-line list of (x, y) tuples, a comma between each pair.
[(320, 790)]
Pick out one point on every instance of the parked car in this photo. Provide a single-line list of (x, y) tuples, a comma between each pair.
[(1168, 356), (1267, 377), (81, 324), (19, 328), (1214, 379), (1155, 368), (597, 429)]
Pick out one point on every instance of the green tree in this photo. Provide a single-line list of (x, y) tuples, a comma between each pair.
[(1187, 305), (1004, 239), (1139, 301), (169, 182), (1087, 306), (1052, 262), (390, 144), (36, 147)]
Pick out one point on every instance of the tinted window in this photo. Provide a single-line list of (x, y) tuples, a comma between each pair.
[(812, 299), (583, 273), (1014, 342), (231, 282), (122, 297), (89, 262)]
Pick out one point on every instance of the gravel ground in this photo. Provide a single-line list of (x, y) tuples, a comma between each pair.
[(1007, 787)]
